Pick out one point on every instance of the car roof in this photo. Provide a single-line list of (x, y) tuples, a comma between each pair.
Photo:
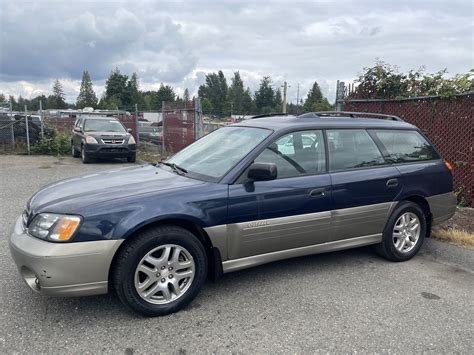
[(286, 122), (98, 117)]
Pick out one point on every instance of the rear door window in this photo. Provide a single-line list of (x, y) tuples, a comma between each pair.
[(405, 146), (352, 149)]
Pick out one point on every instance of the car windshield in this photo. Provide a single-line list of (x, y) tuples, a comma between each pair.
[(212, 156), (103, 126)]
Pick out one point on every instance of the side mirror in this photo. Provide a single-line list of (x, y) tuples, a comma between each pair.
[(129, 130), (77, 129), (262, 171)]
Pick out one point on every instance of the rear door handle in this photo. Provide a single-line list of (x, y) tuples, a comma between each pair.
[(392, 183), (318, 192)]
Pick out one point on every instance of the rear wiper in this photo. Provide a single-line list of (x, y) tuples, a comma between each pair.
[(178, 169)]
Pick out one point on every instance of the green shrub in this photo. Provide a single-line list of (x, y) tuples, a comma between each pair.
[(55, 144)]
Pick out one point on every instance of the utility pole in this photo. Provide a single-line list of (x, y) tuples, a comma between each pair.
[(27, 130), (297, 98), (41, 118), (285, 87), (12, 132)]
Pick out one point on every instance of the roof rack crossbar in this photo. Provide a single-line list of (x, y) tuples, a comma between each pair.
[(270, 115), (351, 114)]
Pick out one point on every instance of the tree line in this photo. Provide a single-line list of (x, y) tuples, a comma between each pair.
[(218, 98)]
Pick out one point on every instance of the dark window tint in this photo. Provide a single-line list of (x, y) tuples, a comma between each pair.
[(351, 149), (405, 146), (296, 154)]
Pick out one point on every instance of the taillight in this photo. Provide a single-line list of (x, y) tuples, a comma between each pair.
[(449, 166)]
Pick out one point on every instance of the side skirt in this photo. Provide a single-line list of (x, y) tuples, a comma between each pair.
[(243, 263)]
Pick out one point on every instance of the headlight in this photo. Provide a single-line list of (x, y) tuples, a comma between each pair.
[(131, 140), (55, 227), (91, 140)]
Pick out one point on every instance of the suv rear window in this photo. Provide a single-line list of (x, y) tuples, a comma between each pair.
[(405, 146), (352, 149)]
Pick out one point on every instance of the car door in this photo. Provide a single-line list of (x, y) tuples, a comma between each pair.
[(292, 211), (364, 186)]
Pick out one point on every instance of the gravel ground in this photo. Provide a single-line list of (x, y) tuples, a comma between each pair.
[(340, 302)]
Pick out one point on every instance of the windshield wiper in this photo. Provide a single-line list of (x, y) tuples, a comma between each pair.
[(178, 169)]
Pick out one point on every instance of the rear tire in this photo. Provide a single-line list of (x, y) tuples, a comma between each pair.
[(404, 233), (85, 157), (147, 271)]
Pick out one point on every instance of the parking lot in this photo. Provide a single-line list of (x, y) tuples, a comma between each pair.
[(340, 302)]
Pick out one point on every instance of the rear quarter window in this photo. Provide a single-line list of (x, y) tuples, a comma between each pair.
[(405, 146)]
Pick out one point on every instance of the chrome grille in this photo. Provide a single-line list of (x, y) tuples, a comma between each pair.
[(113, 140)]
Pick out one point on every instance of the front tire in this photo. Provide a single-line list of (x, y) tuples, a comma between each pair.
[(132, 158), (160, 271), (85, 157), (75, 153), (404, 233)]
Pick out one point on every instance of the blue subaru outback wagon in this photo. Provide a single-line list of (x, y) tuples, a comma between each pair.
[(266, 189)]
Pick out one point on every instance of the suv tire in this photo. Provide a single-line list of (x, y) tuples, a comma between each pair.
[(85, 157), (404, 233), (75, 153), (144, 291), (132, 158)]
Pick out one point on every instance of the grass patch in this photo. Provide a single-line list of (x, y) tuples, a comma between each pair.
[(149, 157), (455, 236)]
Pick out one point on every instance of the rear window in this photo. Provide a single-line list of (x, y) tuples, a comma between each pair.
[(405, 146), (352, 149)]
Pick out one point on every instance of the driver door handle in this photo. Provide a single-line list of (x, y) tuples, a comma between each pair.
[(318, 192), (392, 183)]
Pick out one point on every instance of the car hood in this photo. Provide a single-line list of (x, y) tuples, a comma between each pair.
[(74, 194)]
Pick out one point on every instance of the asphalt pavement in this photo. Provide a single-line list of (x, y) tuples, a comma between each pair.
[(350, 301)]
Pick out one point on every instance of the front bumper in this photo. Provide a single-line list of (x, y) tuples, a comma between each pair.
[(62, 269), (110, 150)]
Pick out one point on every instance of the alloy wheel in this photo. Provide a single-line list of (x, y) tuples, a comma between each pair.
[(164, 274), (406, 232)]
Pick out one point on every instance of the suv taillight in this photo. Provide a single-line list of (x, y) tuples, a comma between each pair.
[(449, 166)]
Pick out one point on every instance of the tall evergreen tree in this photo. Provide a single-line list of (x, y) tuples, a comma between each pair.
[(278, 103), (315, 101), (165, 93), (58, 98), (132, 93), (215, 90), (186, 95), (265, 96), (236, 93), (115, 90), (87, 97)]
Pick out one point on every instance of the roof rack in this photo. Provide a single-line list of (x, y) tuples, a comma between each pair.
[(350, 114), (270, 115)]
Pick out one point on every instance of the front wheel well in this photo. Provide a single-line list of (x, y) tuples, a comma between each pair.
[(421, 201), (212, 253)]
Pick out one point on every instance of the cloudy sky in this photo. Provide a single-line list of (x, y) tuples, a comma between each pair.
[(177, 42)]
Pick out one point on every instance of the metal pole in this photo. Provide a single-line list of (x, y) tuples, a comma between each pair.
[(41, 118), (163, 129), (12, 128), (297, 98), (27, 130), (284, 97), (136, 123)]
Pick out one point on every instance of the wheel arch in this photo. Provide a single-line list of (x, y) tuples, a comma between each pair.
[(213, 254), (424, 205)]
